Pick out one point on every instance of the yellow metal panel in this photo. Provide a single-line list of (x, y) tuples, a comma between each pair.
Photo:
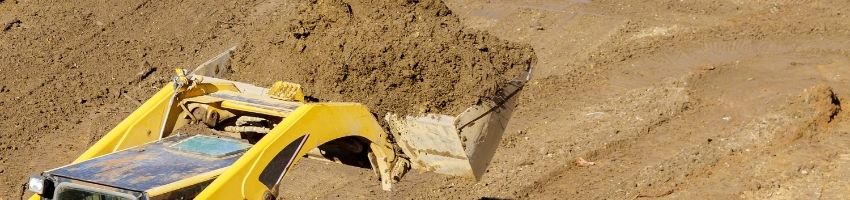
[(323, 122), (286, 91)]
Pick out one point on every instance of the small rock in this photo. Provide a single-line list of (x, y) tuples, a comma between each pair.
[(774, 9), (584, 163), (482, 48), (536, 25), (8, 25), (81, 101), (144, 73), (727, 118)]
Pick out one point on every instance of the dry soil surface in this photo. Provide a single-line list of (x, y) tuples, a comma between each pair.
[(662, 99)]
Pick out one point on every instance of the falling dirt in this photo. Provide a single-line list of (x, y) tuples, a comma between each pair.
[(668, 99)]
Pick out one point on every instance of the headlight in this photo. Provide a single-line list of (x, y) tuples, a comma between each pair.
[(36, 184)]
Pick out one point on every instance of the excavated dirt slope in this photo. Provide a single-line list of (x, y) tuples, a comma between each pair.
[(664, 99), (399, 56)]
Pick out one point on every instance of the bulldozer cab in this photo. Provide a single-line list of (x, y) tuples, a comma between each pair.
[(177, 166)]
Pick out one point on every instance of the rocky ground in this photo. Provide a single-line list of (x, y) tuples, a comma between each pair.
[(629, 99)]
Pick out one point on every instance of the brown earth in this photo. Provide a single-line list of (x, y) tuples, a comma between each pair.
[(668, 99), (396, 56)]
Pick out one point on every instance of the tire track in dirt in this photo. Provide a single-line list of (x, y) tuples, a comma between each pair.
[(661, 176)]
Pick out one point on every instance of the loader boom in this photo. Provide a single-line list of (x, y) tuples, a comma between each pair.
[(260, 170)]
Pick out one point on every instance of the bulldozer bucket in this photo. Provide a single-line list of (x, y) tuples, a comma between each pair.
[(461, 145)]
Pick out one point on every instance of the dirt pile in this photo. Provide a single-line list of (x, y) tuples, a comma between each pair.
[(398, 56)]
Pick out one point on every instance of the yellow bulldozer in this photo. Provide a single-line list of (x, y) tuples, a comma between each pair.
[(254, 136)]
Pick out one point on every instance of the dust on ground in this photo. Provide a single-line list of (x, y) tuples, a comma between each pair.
[(667, 99)]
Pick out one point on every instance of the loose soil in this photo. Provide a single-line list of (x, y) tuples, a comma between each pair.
[(667, 99), (407, 57)]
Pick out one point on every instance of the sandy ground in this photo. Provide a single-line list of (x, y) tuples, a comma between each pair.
[(667, 99)]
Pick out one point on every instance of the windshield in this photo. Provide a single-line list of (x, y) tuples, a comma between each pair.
[(76, 192)]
